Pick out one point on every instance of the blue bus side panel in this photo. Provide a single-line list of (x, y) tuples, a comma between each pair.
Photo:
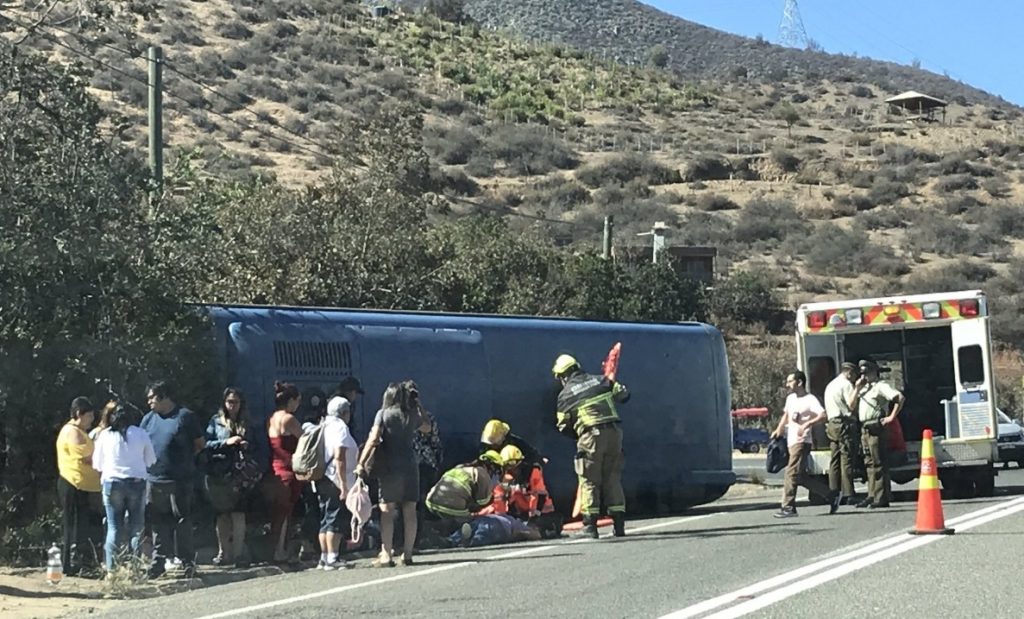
[(469, 368)]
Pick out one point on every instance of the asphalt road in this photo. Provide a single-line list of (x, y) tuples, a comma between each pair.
[(728, 559)]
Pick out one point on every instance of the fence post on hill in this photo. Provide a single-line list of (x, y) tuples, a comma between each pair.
[(606, 246), (155, 57)]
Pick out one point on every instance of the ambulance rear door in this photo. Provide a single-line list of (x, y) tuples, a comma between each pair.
[(975, 416)]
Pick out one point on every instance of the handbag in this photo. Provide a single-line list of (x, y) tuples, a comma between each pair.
[(358, 503), (246, 473)]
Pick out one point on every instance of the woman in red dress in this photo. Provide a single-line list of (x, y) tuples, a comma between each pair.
[(284, 431)]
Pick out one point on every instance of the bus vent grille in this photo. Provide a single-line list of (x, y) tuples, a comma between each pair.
[(329, 359)]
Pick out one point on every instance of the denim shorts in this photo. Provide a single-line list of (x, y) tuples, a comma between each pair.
[(332, 510)]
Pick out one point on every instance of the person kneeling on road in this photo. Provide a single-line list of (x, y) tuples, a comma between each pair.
[(528, 497), (465, 489), (801, 412)]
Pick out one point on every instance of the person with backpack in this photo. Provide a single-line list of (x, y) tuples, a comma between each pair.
[(283, 430)]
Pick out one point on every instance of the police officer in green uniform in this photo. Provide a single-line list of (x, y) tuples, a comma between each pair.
[(586, 410), (842, 430), (873, 398)]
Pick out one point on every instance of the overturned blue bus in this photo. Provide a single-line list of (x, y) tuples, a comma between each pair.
[(471, 368)]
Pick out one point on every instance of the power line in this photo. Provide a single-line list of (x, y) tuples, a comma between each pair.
[(128, 75), (261, 117)]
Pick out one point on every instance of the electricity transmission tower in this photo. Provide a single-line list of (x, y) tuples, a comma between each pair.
[(791, 30)]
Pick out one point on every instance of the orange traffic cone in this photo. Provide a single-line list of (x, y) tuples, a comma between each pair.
[(929, 500)]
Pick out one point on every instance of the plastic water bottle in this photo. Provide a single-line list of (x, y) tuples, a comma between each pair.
[(54, 567)]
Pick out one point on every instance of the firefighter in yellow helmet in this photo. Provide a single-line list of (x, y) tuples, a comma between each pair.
[(586, 410), (466, 489), (497, 435)]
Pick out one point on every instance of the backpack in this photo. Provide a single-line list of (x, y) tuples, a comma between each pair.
[(308, 462), (778, 455)]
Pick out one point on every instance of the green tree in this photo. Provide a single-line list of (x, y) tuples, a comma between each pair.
[(94, 276), (657, 56), (787, 114)]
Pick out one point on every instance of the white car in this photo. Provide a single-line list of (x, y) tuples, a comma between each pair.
[(1011, 440)]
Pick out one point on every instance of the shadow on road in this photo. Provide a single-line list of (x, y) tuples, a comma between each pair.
[(22, 593)]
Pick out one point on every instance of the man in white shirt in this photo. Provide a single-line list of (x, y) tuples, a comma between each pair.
[(340, 455), (801, 412), (842, 431), (873, 398)]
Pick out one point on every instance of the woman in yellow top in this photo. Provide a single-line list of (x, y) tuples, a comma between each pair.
[(76, 482)]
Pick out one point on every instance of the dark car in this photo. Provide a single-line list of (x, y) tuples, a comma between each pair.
[(750, 440)]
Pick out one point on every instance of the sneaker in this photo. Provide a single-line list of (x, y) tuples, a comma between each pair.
[(864, 503), (837, 500), (785, 512), (337, 564)]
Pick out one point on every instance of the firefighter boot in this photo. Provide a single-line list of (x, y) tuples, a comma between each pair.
[(619, 525), (589, 529)]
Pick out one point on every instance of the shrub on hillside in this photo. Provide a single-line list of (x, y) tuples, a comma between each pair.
[(560, 194), (627, 168), (835, 251), (956, 182), (764, 220), (856, 202), (707, 168), (233, 29), (785, 159), (744, 297), (887, 192), (996, 187), (704, 229), (528, 151), (885, 218), (862, 91), (957, 275), (714, 202), (451, 146)]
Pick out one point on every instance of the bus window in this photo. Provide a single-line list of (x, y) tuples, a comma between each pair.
[(972, 367)]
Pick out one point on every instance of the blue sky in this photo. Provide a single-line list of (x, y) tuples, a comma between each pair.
[(978, 42)]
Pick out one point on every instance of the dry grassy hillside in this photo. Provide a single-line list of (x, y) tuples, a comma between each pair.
[(810, 180)]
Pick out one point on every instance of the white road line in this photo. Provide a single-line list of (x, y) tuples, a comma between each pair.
[(811, 575), (318, 594), (434, 570)]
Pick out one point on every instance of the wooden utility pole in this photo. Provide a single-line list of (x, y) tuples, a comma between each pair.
[(156, 117)]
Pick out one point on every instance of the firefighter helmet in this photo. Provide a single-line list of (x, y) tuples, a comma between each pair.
[(494, 432), (563, 364), (511, 454), (491, 456)]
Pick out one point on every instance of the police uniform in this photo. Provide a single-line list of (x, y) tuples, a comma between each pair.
[(586, 410), (872, 406), (843, 437)]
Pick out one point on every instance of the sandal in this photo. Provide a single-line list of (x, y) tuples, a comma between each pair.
[(381, 562)]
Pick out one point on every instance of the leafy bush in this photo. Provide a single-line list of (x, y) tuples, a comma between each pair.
[(763, 220), (715, 202), (956, 275), (707, 168), (862, 91), (233, 29), (785, 159), (627, 168), (559, 193), (855, 201), (528, 151), (883, 218), (835, 251), (744, 297), (956, 182), (887, 192), (451, 146)]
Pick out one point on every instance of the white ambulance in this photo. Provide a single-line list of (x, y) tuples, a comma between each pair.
[(934, 348)]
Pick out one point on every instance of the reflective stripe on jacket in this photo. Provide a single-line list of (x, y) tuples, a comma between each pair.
[(460, 491), (588, 400)]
